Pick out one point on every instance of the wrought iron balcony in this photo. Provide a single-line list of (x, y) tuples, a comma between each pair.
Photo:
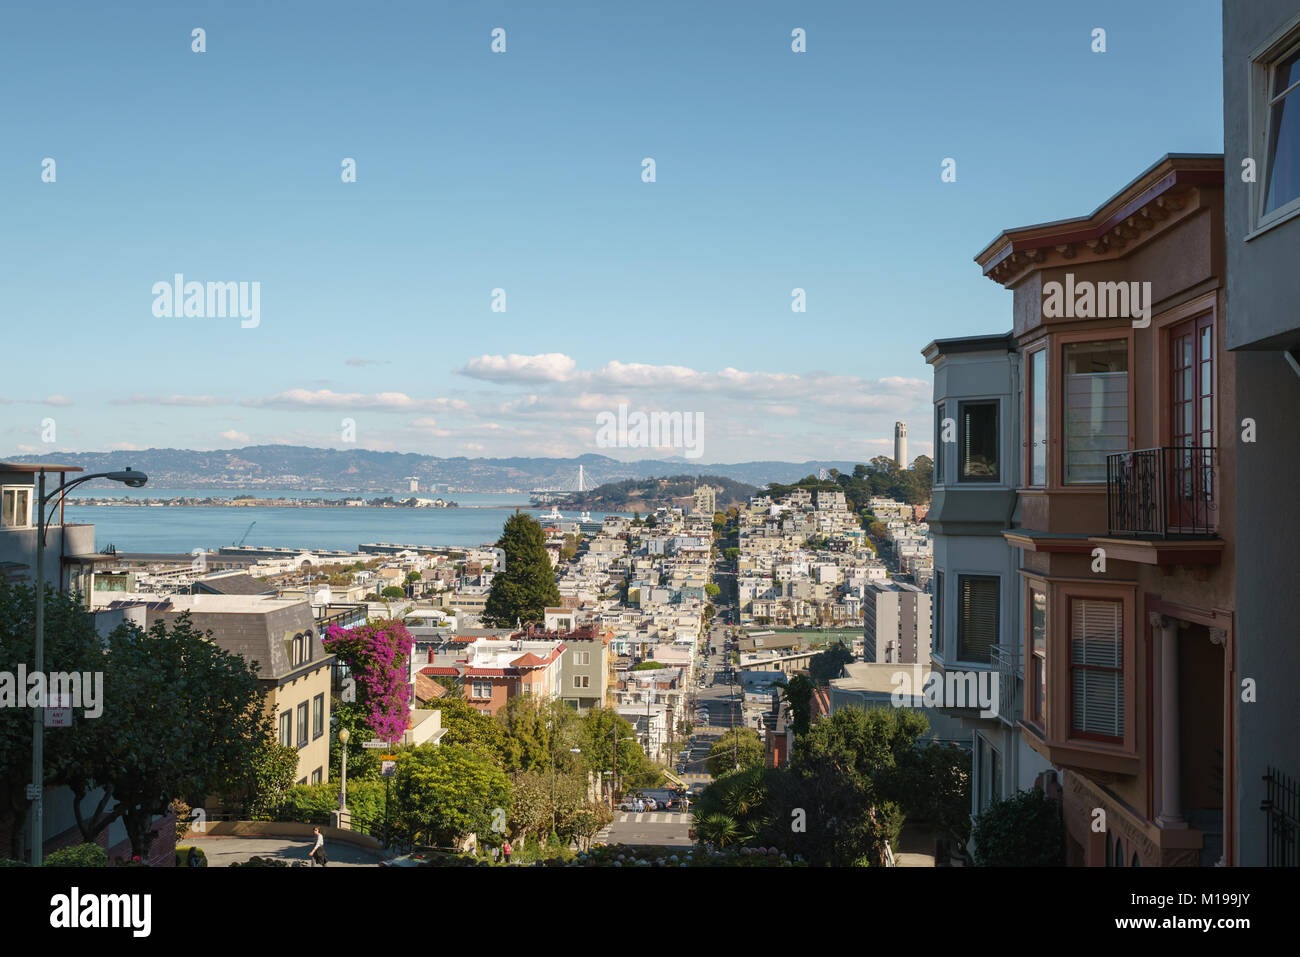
[(1006, 663), (1164, 492)]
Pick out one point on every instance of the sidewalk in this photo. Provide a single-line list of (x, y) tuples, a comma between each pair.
[(224, 851)]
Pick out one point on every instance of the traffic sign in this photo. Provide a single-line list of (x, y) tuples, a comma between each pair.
[(374, 743), (59, 713), (387, 768), (33, 792)]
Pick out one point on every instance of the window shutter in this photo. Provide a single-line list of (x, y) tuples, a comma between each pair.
[(1097, 662)]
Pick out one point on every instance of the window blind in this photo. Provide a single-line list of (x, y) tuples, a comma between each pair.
[(1097, 662), (977, 610)]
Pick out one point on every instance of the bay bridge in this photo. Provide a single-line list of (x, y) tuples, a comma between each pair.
[(545, 496)]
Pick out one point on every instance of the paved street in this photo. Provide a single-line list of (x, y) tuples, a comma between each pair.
[(224, 851), (668, 828)]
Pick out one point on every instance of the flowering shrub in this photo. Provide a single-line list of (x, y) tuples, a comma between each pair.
[(377, 655)]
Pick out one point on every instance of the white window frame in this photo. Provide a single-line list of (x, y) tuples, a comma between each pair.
[(1284, 42), (26, 492)]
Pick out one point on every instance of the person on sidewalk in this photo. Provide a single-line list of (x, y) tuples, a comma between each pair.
[(317, 854), (505, 851)]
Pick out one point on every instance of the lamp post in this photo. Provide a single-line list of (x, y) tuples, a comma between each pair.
[(341, 816), (132, 479)]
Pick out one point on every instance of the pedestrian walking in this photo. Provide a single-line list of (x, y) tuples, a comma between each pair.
[(505, 851), (317, 854)]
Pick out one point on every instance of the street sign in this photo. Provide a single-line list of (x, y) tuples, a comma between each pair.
[(387, 768), (58, 714), (388, 757), (374, 743), (33, 792)]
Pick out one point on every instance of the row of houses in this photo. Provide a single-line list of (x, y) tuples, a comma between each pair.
[(1111, 540)]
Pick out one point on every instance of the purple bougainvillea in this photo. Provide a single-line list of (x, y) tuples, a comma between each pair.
[(378, 654)]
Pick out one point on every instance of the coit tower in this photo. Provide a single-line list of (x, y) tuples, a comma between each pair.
[(900, 444)]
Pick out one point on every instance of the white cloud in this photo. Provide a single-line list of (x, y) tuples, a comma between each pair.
[(547, 367), (231, 435), (353, 401), (179, 400)]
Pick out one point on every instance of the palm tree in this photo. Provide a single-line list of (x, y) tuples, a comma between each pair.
[(717, 829)]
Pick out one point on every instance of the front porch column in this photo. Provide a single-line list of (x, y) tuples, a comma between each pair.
[(1171, 810)]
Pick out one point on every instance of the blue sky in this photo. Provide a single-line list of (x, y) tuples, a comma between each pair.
[(522, 171)]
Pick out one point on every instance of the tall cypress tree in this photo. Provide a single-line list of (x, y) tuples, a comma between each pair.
[(527, 586)]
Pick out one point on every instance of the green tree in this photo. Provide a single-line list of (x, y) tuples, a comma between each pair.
[(165, 690), (465, 726), (731, 554), (712, 590), (648, 666), (527, 586), (538, 735), (598, 731), (829, 664), (848, 768), (393, 591), (734, 745), (443, 793), (269, 777), (71, 644), (1024, 830), (530, 805), (798, 694)]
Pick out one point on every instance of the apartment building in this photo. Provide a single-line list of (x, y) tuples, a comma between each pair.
[(705, 500), (494, 670), (70, 557), (896, 623), (1125, 543), (281, 636), (1261, 88), (976, 586)]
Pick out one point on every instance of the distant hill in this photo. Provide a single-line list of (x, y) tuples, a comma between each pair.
[(645, 495), (283, 467)]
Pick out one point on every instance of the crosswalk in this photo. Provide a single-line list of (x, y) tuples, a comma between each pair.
[(645, 817)]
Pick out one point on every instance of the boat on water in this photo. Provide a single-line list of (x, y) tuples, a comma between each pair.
[(553, 515)]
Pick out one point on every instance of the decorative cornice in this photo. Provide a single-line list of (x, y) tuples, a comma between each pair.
[(1145, 206)]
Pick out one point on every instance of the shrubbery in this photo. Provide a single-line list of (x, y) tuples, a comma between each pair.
[(1024, 830), (83, 855), (314, 802)]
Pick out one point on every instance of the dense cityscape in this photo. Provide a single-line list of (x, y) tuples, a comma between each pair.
[(597, 439)]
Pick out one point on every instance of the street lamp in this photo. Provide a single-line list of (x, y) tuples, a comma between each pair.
[(342, 814), (132, 479)]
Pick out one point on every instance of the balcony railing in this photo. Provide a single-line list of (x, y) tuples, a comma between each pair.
[(1164, 492), (1281, 810), (1006, 663)]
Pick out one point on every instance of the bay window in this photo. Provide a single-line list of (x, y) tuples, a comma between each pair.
[(1096, 407)]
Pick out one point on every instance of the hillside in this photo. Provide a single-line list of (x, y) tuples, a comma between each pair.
[(282, 467), (645, 495)]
